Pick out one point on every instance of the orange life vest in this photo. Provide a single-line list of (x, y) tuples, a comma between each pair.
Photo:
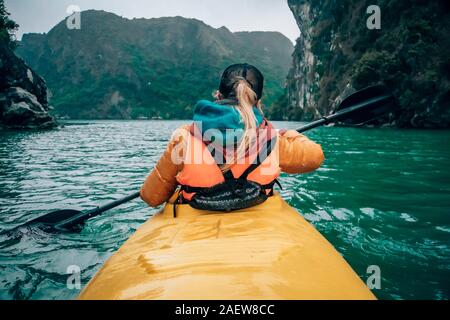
[(200, 170)]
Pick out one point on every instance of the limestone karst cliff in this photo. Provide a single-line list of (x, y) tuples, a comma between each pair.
[(118, 68), (337, 53), (23, 93)]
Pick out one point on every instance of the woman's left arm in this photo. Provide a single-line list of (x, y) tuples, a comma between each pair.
[(298, 154)]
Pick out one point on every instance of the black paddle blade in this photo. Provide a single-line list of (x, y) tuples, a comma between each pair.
[(48, 222), (72, 220), (54, 217), (368, 104), (56, 221)]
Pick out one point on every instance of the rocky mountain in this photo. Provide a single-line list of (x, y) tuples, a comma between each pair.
[(337, 53), (23, 94), (116, 68)]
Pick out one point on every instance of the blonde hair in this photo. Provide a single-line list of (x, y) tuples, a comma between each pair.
[(246, 98)]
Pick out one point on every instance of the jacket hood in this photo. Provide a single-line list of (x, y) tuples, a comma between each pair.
[(222, 121)]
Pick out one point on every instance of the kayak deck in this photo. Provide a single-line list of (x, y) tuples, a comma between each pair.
[(265, 252)]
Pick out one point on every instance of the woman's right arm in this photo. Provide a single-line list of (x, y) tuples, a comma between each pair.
[(161, 182), (298, 154)]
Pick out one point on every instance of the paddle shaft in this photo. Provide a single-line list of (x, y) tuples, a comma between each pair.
[(341, 114), (80, 218)]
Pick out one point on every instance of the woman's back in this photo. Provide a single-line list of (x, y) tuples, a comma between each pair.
[(230, 150)]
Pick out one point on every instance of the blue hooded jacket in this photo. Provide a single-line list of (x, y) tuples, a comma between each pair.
[(223, 117)]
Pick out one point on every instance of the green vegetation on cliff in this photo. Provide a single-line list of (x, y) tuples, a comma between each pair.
[(7, 27), (338, 53), (116, 68)]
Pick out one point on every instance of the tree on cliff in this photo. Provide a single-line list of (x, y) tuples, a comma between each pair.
[(7, 27)]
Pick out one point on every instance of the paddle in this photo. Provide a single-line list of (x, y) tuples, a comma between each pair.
[(358, 108)]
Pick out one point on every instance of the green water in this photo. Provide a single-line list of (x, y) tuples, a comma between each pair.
[(381, 198)]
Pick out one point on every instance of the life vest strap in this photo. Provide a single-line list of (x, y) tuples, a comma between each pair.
[(262, 155), (189, 189)]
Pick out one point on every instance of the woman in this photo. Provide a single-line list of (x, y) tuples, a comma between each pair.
[(230, 157)]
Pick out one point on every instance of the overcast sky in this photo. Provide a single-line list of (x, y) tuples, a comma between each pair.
[(236, 15)]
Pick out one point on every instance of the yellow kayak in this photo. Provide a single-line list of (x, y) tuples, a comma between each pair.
[(265, 252)]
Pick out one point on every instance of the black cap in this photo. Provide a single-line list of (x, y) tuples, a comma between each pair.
[(232, 74)]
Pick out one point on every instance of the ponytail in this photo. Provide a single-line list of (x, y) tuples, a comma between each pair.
[(246, 98)]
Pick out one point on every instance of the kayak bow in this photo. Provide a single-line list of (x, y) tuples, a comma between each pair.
[(265, 252)]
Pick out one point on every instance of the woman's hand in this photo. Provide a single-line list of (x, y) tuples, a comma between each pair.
[(298, 154)]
